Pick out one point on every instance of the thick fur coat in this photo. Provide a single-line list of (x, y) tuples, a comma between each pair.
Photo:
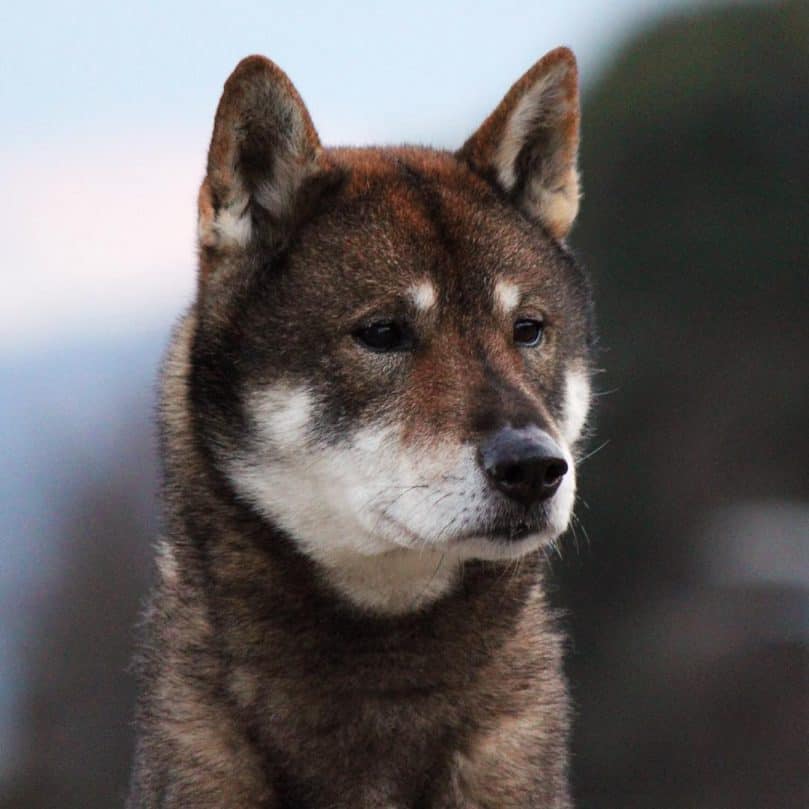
[(349, 610)]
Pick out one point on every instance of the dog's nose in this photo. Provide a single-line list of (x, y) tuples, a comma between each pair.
[(523, 463)]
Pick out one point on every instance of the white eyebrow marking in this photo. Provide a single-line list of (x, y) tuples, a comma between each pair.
[(423, 295), (507, 295)]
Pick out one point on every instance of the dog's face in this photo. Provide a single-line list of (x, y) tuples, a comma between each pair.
[(392, 350)]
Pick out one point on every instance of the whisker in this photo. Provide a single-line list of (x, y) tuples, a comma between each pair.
[(401, 492), (593, 452), (431, 580), (574, 533), (583, 529)]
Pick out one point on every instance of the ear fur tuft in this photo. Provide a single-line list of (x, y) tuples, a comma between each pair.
[(529, 144), (264, 147)]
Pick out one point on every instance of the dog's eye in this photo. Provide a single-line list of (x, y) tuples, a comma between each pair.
[(528, 332), (384, 335)]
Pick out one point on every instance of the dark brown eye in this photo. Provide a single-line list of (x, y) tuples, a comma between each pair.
[(528, 332), (384, 335)]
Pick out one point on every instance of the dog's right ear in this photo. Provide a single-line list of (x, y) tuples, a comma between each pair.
[(263, 149)]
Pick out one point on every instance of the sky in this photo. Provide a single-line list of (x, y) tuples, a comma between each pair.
[(107, 109)]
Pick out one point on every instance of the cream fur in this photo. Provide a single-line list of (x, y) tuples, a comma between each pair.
[(507, 296), (540, 107), (423, 295), (390, 521), (577, 404)]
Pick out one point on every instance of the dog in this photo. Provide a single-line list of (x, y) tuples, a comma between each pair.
[(369, 423)]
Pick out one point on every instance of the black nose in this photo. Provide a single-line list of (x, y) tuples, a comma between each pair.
[(525, 464)]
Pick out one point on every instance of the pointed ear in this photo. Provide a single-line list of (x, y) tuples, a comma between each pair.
[(263, 149), (528, 145)]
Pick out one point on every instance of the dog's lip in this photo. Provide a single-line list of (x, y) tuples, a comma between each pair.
[(516, 532), (411, 535), (513, 532)]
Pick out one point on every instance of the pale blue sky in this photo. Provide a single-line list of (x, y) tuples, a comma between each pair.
[(107, 109), (410, 68)]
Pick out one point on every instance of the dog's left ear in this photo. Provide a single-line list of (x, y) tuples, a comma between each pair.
[(529, 144)]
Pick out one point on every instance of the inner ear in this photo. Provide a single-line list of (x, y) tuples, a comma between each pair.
[(529, 145), (264, 150)]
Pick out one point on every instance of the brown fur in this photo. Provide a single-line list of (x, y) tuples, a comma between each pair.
[(262, 685)]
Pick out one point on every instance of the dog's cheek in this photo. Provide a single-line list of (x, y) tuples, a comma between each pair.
[(576, 403), (281, 418), (441, 492), (320, 484), (279, 428), (561, 507)]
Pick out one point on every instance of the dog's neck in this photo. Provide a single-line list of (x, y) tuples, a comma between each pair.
[(395, 584), (391, 583)]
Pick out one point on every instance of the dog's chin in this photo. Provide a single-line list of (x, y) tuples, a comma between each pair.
[(501, 541), (512, 543)]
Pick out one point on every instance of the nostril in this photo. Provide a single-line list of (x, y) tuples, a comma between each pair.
[(512, 475), (524, 464), (554, 472)]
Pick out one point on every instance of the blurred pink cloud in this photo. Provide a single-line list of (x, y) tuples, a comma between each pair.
[(98, 233)]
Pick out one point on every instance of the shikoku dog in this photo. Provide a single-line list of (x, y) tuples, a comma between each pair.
[(369, 414)]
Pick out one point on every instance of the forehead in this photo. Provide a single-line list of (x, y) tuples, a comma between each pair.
[(419, 221)]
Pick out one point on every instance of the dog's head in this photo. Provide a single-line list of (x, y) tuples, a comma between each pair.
[(393, 344)]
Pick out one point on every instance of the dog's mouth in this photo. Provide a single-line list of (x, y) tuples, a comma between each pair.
[(509, 530), (515, 532)]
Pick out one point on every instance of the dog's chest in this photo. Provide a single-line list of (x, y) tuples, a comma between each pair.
[(371, 748), (359, 721)]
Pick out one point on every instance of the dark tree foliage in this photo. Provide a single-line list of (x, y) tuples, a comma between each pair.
[(695, 227)]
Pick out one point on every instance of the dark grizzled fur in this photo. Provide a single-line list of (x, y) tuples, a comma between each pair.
[(262, 686), (348, 710)]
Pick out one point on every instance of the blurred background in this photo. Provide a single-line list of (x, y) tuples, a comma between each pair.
[(686, 583)]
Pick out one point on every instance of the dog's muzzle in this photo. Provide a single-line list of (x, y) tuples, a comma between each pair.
[(524, 463)]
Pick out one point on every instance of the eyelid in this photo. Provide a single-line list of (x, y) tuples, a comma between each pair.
[(530, 314), (408, 336), (381, 310)]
